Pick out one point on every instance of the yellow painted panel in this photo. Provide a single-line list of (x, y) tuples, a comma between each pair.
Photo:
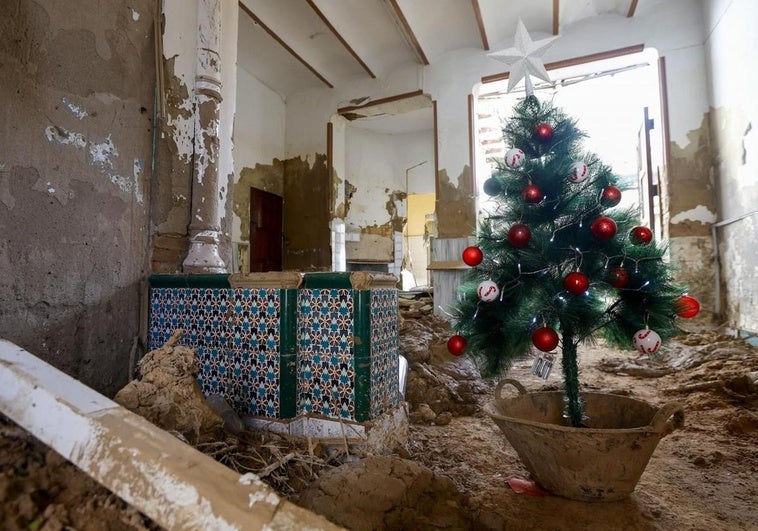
[(419, 205)]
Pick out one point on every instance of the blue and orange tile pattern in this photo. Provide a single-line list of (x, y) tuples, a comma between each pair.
[(246, 353)]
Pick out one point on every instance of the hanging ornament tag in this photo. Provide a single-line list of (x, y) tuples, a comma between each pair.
[(542, 365)]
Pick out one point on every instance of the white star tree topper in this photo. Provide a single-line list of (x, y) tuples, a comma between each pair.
[(524, 57)]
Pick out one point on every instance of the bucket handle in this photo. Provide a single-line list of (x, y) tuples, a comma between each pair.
[(669, 417), (514, 383)]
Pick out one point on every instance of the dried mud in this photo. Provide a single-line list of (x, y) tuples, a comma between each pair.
[(454, 472)]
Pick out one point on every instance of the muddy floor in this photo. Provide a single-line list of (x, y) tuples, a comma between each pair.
[(454, 472)]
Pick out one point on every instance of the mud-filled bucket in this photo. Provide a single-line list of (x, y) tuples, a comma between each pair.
[(600, 462)]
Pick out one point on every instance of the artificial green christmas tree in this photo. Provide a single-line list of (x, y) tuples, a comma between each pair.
[(557, 262)]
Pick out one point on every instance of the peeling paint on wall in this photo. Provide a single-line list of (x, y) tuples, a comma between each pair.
[(307, 244), (74, 244), (61, 136), (266, 177), (397, 222), (731, 130), (691, 182), (77, 111), (699, 214), (455, 206)]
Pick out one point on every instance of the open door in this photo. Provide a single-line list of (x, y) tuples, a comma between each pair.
[(265, 231)]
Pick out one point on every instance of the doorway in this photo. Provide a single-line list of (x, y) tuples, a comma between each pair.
[(616, 102), (265, 231), (382, 164)]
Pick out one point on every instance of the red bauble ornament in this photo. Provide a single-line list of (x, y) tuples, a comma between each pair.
[(456, 345), (687, 306), (544, 132), (610, 196), (641, 235), (532, 194), (618, 277), (472, 256), (603, 228), (545, 339), (576, 283), (519, 235)]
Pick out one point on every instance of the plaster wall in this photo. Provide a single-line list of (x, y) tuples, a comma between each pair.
[(258, 155), (376, 195), (731, 39), (76, 126)]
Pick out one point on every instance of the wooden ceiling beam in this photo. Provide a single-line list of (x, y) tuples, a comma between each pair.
[(556, 16), (336, 33), (284, 45), (480, 24), (408, 32), (632, 8)]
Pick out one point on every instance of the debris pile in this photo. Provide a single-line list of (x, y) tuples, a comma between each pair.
[(168, 395), (440, 386)]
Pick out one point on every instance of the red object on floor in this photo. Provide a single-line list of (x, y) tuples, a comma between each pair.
[(526, 486)]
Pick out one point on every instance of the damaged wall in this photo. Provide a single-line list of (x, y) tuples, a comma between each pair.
[(733, 76), (176, 150), (258, 155), (306, 215), (675, 28), (76, 126), (374, 197)]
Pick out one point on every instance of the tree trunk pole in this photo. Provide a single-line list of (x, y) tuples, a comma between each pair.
[(574, 409)]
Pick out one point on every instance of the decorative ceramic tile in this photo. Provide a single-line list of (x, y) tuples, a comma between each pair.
[(236, 335), (326, 371), (384, 351)]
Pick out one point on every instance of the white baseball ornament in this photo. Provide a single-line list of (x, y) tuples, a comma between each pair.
[(514, 158), (646, 341), (488, 291), (579, 172)]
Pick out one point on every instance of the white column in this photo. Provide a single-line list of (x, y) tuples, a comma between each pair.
[(204, 229)]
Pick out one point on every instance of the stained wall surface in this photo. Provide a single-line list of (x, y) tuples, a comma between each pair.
[(733, 75), (76, 126)]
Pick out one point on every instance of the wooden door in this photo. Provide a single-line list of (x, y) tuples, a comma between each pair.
[(265, 231)]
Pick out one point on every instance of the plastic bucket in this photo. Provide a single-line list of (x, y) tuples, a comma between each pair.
[(597, 463)]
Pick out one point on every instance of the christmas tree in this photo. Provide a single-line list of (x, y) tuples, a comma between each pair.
[(558, 262)]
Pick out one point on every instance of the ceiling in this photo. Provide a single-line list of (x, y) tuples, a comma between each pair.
[(297, 45)]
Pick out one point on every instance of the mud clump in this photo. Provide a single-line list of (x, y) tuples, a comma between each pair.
[(437, 380), (387, 493), (168, 395)]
